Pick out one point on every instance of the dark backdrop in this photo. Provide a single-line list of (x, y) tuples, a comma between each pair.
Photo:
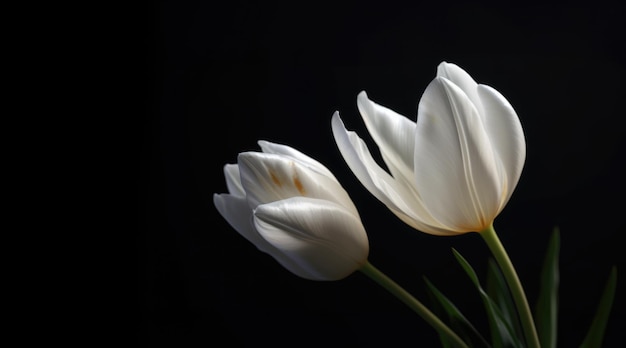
[(222, 77)]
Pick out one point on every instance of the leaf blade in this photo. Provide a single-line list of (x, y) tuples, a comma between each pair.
[(546, 309), (458, 322), (501, 333), (595, 334), (498, 289)]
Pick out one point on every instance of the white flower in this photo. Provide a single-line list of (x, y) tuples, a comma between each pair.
[(293, 208), (453, 170)]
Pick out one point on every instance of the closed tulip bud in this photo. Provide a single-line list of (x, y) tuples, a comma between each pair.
[(293, 208)]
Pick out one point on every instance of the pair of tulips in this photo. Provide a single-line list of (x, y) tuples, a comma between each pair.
[(450, 172)]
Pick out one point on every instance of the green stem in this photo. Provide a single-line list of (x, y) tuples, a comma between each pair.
[(496, 247), (393, 287)]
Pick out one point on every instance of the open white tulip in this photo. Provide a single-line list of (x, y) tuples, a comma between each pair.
[(293, 208), (455, 168)]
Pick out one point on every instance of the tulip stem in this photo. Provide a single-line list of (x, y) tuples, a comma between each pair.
[(404, 296), (519, 297)]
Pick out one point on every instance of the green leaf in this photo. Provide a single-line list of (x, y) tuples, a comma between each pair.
[(596, 331), (440, 312), (499, 291), (546, 309), (501, 333), (458, 322)]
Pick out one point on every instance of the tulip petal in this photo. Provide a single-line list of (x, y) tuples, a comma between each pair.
[(268, 177), (233, 182), (507, 137), (288, 151), (398, 195), (463, 80), (455, 169), (393, 133), (360, 160), (324, 239), (235, 210)]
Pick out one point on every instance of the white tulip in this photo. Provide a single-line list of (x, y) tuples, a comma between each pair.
[(454, 169), (293, 208)]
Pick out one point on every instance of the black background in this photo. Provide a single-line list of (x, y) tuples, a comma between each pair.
[(222, 77)]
